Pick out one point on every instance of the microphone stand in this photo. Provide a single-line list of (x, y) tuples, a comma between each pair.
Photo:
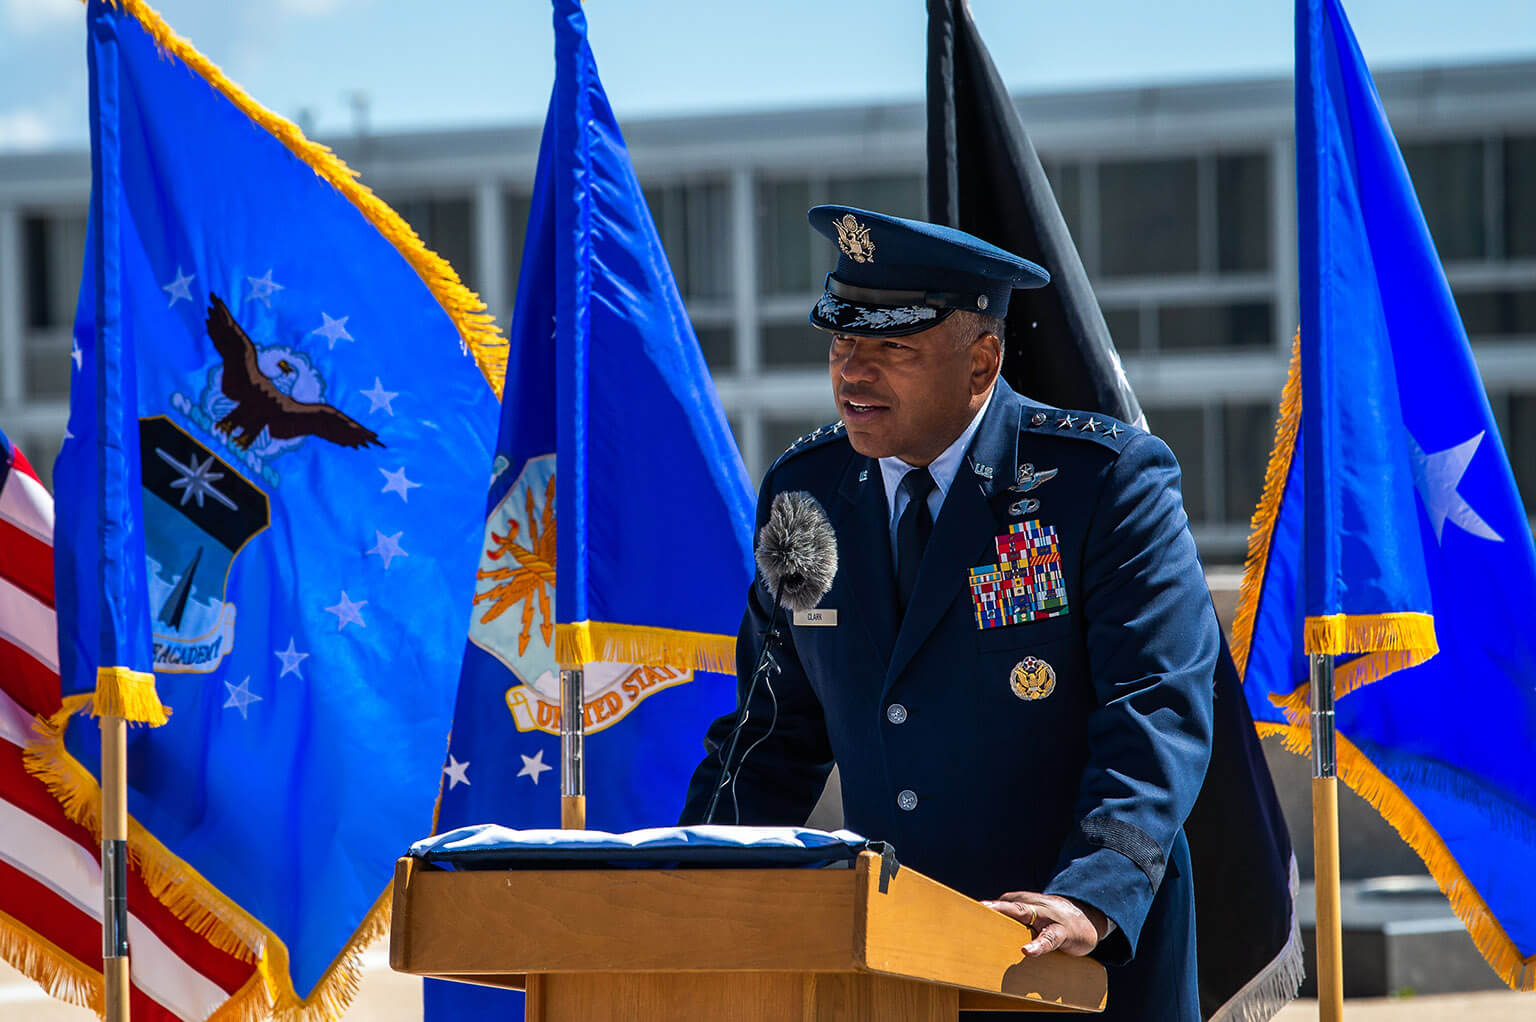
[(765, 662)]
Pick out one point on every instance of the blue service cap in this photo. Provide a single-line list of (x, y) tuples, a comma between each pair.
[(897, 276)]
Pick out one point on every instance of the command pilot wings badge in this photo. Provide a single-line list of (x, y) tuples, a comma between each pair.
[(515, 587)]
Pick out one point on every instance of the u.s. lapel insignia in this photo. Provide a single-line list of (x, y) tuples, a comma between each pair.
[(1032, 678), (853, 238), (1026, 583)]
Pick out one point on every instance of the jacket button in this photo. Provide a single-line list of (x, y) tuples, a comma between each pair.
[(896, 713), (907, 799)]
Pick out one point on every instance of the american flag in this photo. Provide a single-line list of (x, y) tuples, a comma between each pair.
[(50, 872)]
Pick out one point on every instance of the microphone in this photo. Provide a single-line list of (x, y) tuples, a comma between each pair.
[(796, 556)]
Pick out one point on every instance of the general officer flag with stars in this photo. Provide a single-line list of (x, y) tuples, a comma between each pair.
[(267, 515), (984, 177), (1390, 525), (618, 531)]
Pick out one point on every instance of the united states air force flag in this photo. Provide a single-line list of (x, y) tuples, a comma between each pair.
[(268, 514), (620, 517), (1390, 525)]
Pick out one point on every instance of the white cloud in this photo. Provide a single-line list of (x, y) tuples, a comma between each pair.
[(29, 17), (25, 129)]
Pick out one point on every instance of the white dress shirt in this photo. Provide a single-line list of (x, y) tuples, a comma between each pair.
[(943, 469)]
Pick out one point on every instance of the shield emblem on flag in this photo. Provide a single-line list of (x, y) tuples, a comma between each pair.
[(198, 514), (514, 617)]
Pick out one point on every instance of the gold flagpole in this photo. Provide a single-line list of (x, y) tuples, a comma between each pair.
[(114, 867), (1325, 843)]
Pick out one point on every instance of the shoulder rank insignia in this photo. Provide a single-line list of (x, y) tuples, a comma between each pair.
[(1032, 678), (1026, 583), (811, 439)]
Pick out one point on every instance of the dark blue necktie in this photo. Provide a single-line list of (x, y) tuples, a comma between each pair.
[(912, 531)]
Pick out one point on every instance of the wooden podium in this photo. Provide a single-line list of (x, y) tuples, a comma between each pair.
[(728, 945)]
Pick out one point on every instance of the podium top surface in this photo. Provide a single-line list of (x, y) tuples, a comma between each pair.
[(499, 926)]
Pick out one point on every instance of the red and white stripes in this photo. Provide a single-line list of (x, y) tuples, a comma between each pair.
[(50, 876)]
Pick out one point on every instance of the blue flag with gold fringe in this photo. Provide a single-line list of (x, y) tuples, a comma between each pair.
[(1390, 526), (266, 515), (618, 527)]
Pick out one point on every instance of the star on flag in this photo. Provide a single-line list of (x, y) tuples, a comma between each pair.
[(1437, 478), (240, 696), (178, 289), (348, 612), (291, 658), (263, 288), (533, 766), (332, 330), (388, 547), (378, 397), (396, 482), (458, 773)]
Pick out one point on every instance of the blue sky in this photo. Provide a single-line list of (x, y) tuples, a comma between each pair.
[(458, 62)]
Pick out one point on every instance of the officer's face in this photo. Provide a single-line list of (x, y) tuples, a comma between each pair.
[(910, 397)]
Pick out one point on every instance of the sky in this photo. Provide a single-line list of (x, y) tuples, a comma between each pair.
[(451, 63)]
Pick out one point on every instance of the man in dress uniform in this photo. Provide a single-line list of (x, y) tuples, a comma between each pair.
[(1015, 675)]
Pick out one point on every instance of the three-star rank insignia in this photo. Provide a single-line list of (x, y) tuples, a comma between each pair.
[(1026, 583), (1032, 678)]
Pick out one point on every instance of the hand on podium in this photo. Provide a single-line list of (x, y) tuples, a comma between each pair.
[(1060, 924)]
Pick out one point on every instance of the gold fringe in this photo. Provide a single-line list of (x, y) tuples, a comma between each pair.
[(199, 905), (1357, 771), (589, 642), (129, 694), (1403, 631), (1347, 677), (1262, 526), (59, 973), (477, 328)]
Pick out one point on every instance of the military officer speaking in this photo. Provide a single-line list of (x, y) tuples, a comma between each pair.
[(1013, 667)]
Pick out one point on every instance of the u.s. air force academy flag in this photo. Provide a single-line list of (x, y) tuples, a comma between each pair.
[(267, 514), (1390, 523), (618, 534)]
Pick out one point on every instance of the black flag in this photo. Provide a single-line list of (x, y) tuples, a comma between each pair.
[(984, 177)]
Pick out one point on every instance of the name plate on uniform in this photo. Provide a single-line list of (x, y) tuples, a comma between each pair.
[(822, 618)]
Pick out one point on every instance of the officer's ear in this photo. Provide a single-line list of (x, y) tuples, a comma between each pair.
[(986, 361)]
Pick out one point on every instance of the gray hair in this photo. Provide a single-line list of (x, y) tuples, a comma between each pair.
[(967, 326)]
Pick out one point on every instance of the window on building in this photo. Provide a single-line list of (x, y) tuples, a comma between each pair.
[(793, 346), (1124, 327), (1247, 436), (515, 208), (1520, 197), (784, 239), (1067, 185), (1448, 177), (1224, 326), (1498, 314), (718, 343), (446, 226), (694, 221), (1183, 430), (778, 434), (54, 251), (1242, 213), (1520, 442), (1148, 217), (897, 194)]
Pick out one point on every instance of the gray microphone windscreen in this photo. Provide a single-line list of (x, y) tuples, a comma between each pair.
[(797, 550)]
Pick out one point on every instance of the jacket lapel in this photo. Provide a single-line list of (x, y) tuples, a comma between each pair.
[(864, 540), (965, 528)]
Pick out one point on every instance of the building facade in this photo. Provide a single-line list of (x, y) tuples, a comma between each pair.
[(1181, 199)]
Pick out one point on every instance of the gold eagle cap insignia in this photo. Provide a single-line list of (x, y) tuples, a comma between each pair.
[(1032, 678), (853, 238)]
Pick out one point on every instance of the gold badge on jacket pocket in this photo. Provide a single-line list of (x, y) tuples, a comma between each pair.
[(1032, 678)]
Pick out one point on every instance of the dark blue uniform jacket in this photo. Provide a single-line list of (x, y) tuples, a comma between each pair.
[(1081, 793)]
